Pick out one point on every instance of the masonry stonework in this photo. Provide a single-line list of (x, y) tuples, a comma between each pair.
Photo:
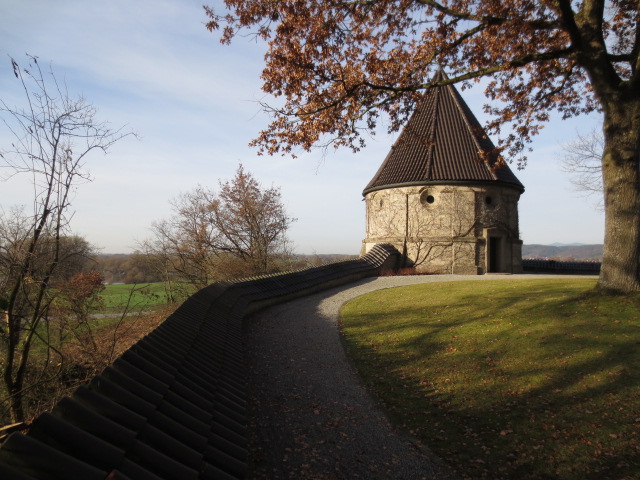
[(443, 196), (447, 228)]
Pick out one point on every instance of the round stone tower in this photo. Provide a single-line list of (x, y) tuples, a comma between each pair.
[(443, 197)]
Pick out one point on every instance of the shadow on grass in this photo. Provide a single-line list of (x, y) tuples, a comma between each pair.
[(534, 382)]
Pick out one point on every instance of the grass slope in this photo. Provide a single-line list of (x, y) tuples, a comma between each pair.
[(507, 379)]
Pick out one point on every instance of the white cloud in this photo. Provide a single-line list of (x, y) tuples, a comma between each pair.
[(151, 64)]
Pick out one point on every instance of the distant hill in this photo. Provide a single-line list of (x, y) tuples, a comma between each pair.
[(563, 252)]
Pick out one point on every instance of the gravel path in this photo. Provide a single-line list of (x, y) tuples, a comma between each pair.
[(310, 415)]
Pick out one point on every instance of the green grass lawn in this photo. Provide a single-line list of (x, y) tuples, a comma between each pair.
[(143, 296), (521, 379)]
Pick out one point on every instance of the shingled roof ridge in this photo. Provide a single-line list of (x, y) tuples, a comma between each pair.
[(469, 118), (407, 131), (443, 141), (434, 129)]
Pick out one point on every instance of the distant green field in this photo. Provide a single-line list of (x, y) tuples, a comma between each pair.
[(139, 296)]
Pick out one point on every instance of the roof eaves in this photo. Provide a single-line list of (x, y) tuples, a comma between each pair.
[(489, 183)]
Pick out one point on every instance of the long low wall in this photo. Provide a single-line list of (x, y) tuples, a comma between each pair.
[(173, 405), (561, 266)]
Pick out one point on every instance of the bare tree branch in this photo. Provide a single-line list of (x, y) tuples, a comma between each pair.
[(582, 160), (53, 134)]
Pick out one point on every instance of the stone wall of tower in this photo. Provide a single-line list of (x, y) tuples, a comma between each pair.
[(448, 228)]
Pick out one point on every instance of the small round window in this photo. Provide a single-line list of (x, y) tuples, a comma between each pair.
[(427, 198), (488, 200)]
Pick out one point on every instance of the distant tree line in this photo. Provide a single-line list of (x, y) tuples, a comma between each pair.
[(133, 268), (126, 268)]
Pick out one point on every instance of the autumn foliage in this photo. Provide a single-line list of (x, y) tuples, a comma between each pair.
[(340, 67), (239, 230), (82, 292), (340, 64)]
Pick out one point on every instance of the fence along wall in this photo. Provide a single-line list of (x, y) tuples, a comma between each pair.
[(173, 405)]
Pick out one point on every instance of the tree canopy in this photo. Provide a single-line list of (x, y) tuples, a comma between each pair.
[(238, 231), (340, 66)]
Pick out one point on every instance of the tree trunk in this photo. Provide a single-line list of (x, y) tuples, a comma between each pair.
[(621, 179), (16, 405)]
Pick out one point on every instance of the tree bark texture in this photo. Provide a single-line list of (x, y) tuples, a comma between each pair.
[(621, 181)]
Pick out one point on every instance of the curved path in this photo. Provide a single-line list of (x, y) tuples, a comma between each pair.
[(310, 415)]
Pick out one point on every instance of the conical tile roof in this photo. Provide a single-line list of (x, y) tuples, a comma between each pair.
[(441, 143)]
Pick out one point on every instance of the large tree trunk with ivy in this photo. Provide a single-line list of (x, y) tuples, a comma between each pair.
[(621, 180)]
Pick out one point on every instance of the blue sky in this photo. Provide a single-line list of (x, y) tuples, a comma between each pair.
[(152, 65)]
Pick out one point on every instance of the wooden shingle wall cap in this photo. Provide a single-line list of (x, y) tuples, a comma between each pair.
[(442, 142), (173, 406)]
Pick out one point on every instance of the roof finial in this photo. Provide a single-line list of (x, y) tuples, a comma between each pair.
[(439, 75)]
